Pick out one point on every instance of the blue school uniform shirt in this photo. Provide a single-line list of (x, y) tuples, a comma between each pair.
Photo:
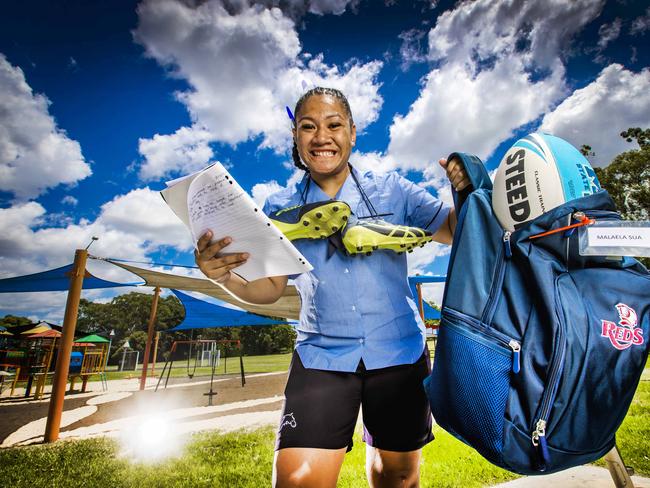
[(360, 308)]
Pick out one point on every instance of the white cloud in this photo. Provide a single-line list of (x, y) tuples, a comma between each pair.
[(641, 23), (128, 227), (244, 66), (609, 32), (598, 113), (186, 150), (458, 111), (35, 154), (70, 200), (497, 67), (411, 51), (262, 190)]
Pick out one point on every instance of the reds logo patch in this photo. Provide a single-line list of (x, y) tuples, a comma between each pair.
[(626, 333)]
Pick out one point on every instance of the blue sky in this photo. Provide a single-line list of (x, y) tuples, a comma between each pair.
[(101, 102)]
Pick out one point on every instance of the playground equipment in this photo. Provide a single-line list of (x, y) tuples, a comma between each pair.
[(201, 347), (32, 358)]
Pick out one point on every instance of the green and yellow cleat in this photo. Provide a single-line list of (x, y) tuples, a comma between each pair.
[(317, 220), (366, 237)]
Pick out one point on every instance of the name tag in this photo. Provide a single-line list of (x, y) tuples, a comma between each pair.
[(615, 239)]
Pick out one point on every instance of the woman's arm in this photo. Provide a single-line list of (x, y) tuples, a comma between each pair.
[(217, 268), (459, 180)]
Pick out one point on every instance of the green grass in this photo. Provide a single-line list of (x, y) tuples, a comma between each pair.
[(633, 437), (211, 459), (243, 459), (252, 364)]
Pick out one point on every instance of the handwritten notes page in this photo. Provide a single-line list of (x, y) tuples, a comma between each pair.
[(212, 200)]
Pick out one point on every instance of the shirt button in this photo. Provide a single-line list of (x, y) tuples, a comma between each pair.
[(346, 270), (354, 309), (361, 341)]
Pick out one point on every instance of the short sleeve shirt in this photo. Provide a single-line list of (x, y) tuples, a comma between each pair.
[(361, 307)]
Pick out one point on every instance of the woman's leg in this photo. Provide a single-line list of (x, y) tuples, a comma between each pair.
[(307, 467), (388, 469), (397, 423), (319, 415)]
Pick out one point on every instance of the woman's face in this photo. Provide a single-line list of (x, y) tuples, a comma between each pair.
[(323, 135)]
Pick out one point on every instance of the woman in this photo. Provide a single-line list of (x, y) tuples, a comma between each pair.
[(360, 340)]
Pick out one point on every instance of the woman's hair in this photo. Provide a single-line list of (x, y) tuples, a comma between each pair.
[(319, 90)]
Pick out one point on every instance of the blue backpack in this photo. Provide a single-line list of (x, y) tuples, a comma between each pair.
[(540, 349)]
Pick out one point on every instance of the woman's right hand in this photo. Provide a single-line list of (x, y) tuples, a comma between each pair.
[(213, 265)]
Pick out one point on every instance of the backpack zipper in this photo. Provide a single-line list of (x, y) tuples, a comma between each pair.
[(538, 436), (501, 338), (490, 306)]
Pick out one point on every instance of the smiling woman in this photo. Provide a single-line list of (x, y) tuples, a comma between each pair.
[(360, 340)]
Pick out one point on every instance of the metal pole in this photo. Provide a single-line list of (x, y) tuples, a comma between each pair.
[(110, 343), (65, 347), (147, 348), (155, 354), (418, 287), (123, 357)]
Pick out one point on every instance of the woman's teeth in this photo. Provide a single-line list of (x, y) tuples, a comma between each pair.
[(323, 153)]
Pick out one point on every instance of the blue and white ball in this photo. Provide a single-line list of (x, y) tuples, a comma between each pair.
[(537, 174)]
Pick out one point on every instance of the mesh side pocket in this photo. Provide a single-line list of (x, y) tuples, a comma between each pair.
[(468, 387)]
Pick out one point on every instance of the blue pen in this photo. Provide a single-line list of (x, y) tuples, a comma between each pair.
[(290, 114)]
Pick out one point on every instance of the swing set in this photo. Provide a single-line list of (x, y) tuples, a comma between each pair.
[(193, 359)]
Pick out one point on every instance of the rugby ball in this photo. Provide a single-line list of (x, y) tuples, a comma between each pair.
[(538, 173)]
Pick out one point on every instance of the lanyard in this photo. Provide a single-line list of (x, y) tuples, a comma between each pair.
[(364, 197)]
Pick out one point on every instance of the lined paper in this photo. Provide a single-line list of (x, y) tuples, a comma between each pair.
[(212, 200)]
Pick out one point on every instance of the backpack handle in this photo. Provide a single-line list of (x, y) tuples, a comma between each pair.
[(477, 174)]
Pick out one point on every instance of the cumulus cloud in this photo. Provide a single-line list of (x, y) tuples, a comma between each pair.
[(609, 32), (187, 150), (69, 200), (35, 154), (497, 66), (128, 227), (244, 65), (412, 51), (641, 23), (596, 114)]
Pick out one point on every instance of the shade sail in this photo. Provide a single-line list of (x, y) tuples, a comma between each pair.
[(426, 279), (288, 306), (47, 334), (57, 279), (429, 311), (203, 315), (92, 338)]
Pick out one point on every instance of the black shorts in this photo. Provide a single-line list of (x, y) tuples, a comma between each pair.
[(321, 407)]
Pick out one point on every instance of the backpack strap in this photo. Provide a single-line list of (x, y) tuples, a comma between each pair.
[(477, 174)]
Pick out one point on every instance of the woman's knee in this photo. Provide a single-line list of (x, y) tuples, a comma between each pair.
[(306, 468), (388, 468)]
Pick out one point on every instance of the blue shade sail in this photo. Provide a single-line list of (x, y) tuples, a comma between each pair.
[(57, 279), (200, 314)]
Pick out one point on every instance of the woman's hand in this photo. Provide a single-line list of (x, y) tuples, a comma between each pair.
[(213, 265), (455, 173)]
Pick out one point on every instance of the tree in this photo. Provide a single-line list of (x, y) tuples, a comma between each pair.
[(14, 321), (627, 178)]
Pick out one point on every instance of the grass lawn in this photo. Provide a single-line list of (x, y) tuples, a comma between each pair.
[(211, 459), (244, 460), (230, 365)]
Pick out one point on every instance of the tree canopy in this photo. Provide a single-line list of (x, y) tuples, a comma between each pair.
[(627, 178)]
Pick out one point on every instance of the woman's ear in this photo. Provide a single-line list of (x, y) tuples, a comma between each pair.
[(353, 135)]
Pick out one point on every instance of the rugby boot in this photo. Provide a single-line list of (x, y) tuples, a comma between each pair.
[(365, 237), (317, 220)]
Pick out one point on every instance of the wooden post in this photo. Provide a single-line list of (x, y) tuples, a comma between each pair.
[(155, 355), (65, 347), (147, 348), (418, 287)]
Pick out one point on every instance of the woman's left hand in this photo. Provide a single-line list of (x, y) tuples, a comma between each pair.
[(456, 173)]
